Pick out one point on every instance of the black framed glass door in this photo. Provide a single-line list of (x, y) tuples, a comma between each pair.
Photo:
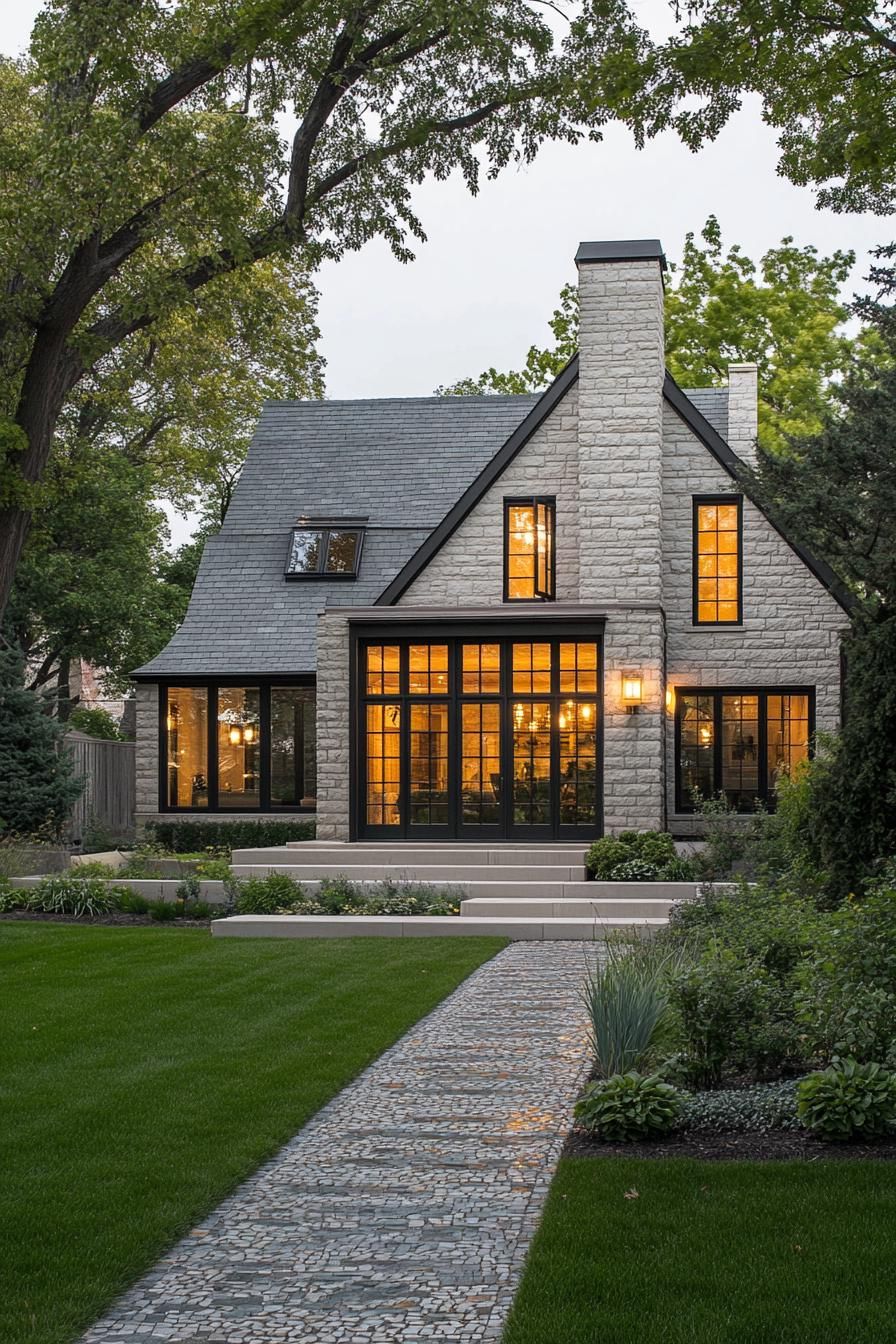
[(477, 738)]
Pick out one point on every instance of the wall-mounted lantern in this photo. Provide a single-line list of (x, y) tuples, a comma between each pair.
[(632, 695)]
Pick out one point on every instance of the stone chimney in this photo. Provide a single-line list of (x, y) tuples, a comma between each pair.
[(621, 371), (743, 410)]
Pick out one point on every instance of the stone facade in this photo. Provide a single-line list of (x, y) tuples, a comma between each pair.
[(333, 727), (624, 465)]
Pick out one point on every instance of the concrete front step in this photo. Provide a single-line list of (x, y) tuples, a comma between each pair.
[(299, 852), (602, 908), (423, 926), (435, 874)]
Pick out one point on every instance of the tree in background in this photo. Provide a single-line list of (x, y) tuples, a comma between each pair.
[(721, 308), (144, 145), (169, 416), (37, 784), (836, 491)]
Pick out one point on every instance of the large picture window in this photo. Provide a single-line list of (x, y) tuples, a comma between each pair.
[(718, 560), (529, 550), (739, 743), (228, 747)]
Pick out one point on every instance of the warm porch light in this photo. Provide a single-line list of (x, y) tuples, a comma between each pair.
[(236, 735), (631, 691), (249, 734), (670, 700)]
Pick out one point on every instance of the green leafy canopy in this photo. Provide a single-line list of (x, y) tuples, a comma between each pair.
[(783, 313)]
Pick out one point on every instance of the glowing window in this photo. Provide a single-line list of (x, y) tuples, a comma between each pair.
[(717, 561), (529, 550)]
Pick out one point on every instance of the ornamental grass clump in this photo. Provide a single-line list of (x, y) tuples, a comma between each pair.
[(629, 1106), (68, 895), (848, 1100), (628, 1005)]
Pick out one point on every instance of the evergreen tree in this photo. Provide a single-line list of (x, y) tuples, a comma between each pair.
[(37, 783), (836, 491)]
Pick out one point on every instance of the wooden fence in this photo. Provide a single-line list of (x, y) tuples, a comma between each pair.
[(109, 797)]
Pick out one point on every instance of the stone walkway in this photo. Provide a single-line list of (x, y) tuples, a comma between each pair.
[(403, 1210)]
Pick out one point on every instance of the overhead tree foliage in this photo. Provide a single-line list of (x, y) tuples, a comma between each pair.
[(147, 147), (784, 313), (825, 71)]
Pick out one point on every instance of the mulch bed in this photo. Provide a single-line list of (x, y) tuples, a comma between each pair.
[(782, 1144), (115, 917)]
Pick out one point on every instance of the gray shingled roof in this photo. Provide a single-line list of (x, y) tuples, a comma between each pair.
[(712, 403), (400, 462)]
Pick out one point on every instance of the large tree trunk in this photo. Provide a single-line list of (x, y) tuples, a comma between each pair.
[(52, 372)]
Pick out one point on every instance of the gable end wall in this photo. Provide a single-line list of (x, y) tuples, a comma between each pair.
[(792, 625)]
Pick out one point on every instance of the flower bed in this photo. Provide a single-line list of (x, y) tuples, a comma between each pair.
[(755, 1024)]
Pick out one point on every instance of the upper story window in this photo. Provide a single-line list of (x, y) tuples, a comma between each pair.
[(325, 549), (718, 560), (529, 549)]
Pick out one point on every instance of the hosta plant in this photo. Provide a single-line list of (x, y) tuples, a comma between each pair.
[(848, 1100), (629, 1106)]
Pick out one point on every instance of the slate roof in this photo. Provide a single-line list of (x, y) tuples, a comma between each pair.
[(401, 462)]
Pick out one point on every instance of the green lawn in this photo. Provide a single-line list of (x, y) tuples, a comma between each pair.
[(146, 1071), (712, 1253)]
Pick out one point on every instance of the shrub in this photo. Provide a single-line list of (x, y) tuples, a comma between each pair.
[(743, 1110), (734, 1016), (848, 1101), (629, 1106), (187, 837), (131, 903), (93, 869), (68, 895), (278, 893), (847, 997), (637, 856), (164, 911), (11, 898), (141, 866), (729, 837), (213, 869), (198, 910), (627, 999), (95, 723)]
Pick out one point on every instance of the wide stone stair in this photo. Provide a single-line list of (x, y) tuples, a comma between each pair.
[(532, 891)]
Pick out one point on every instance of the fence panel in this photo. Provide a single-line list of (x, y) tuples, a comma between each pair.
[(109, 797)]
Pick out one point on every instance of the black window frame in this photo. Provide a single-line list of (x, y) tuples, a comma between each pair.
[(548, 502), (325, 527), (456, 632), (696, 502), (211, 684), (763, 794)]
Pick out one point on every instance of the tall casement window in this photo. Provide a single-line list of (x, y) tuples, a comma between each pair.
[(245, 748), (529, 526), (739, 743), (718, 560)]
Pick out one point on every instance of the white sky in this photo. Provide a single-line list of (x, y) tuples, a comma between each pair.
[(483, 286)]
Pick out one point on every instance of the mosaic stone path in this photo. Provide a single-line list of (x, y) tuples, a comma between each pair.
[(403, 1210)]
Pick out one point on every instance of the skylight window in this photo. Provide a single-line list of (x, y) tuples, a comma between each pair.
[(325, 550)]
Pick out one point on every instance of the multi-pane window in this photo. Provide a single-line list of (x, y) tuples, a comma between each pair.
[(739, 744), (529, 549), (717, 560), (238, 748), (324, 552)]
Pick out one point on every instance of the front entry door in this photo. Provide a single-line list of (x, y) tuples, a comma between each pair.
[(478, 738)]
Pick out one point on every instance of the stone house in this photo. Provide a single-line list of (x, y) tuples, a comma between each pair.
[(520, 618)]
